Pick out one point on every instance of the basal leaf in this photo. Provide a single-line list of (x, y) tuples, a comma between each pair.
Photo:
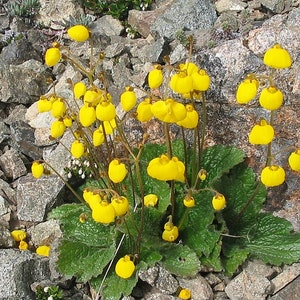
[(181, 260), (82, 260)]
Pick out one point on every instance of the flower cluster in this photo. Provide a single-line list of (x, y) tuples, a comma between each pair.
[(271, 99)]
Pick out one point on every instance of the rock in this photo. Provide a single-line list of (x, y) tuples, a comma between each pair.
[(108, 26), (6, 240), (12, 165), (183, 15), (36, 197), (49, 16), (4, 132), (18, 270), (276, 6), (252, 283), (16, 113), (199, 287), (291, 291), (23, 83), (161, 279), (230, 5), (7, 192)]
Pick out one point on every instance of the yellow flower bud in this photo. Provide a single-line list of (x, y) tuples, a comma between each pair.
[(191, 119), (150, 200), (170, 233), (117, 171), (23, 245), (143, 110), (92, 97), (91, 198), (58, 108), (271, 98), (185, 294), (155, 77), (87, 115), (105, 111), (272, 176), (128, 99), (261, 134), (201, 80), (120, 204), (18, 235), (189, 201), (218, 202), (52, 56), (189, 67), (103, 212), (125, 267), (247, 90), (277, 57), (202, 174), (98, 137), (57, 129), (294, 160), (78, 33), (181, 83), (77, 149), (68, 121), (37, 169), (44, 105), (79, 89), (43, 250)]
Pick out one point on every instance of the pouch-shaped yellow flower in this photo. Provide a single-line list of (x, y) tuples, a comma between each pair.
[(155, 77), (189, 201), (144, 112), (23, 245), (120, 204), (52, 56), (191, 119), (92, 97), (294, 160), (261, 134), (79, 89), (87, 115), (272, 176), (162, 168), (78, 33), (277, 57), (91, 198), (170, 233), (58, 108), (128, 99), (271, 98), (109, 126), (218, 202), (150, 200), (44, 105), (105, 111), (57, 129), (181, 83), (185, 294), (201, 80), (125, 267), (98, 137), (103, 212), (77, 149), (68, 121), (37, 169), (18, 235), (117, 171), (43, 250), (247, 90)]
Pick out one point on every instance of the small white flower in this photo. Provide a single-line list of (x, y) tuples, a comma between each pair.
[(46, 289), (83, 176), (50, 298), (69, 175), (80, 171)]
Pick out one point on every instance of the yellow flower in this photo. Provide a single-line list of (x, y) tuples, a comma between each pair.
[(125, 267), (155, 77), (189, 201), (271, 98), (170, 233), (78, 33), (105, 111), (98, 137), (277, 57), (92, 97), (52, 56), (191, 119), (247, 89), (77, 149), (272, 176), (87, 115), (43, 250), (120, 204), (128, 99), (294, 160), (57, 129), (163, 168), (185, 294), (202, 174), (181, 83), (117, 171), (79, 89), (143, 110), (109, 126), (169, 110), (18, 235), (58, 108), (261, 134), (150, 200), (44, 105), (68, 121), (218, 202), (23, 245), (91, 198), (37, 169), (189, 67), (103, 212), (201, 80)]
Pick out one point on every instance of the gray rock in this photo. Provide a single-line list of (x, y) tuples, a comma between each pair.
[(290, 292), (12, 165), (160, 278), (23, 83), (4, 132), (183, 15), (3, 206), (108, 26), (230, 5), (36, 197), (276, 6), (16, 113), (18, 270), (7, 192), (6, 240), (199, 287)]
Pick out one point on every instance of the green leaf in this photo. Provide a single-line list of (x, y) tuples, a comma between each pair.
[(181, 260), (273, 241), (83, 260)]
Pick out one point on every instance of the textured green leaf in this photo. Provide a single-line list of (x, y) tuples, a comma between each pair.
[(181, 260), (82, 260), (273, 240), (213, 261)]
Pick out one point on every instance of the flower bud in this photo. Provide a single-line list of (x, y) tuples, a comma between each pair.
[(294, 160), (272, 176), (218, 202), (78, 33), (120, 204), (103, 212), (18, 235), (271, 98), (125, 267), (150, 200), (143, 110), (52, 56), (37, 169), (105, 111), (77, 149), (170, 233), (87, 115), (277, 57), (79, 89), (57, 129), (117, 171), (247, 90), (128, 99), (261, 134), (155, 77), (43, 250)]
